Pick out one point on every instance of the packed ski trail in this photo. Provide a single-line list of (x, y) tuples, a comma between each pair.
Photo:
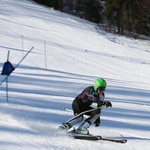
[(77, 52)]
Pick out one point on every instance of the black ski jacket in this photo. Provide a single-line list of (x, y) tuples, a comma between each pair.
[(89, 96)]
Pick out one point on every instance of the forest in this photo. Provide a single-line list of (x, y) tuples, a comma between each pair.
[(125, 17)]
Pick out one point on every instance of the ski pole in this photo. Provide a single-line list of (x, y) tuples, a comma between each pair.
[(84, 112)]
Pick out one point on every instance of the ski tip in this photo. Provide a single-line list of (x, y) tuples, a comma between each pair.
[(124, 141), (121, 141)]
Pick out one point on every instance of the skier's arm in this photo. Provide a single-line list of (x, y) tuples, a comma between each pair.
[(101, 99), (85, 95), (91, 98)]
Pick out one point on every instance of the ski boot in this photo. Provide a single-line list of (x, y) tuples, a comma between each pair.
[(65, 126), (83, 128)]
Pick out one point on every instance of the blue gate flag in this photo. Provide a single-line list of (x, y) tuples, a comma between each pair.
[(7, 68)]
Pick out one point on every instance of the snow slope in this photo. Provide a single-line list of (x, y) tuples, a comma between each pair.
[(77, 52)]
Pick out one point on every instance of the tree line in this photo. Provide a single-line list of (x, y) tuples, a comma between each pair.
[(125, 17)]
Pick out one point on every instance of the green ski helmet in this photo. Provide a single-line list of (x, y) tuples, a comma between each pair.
[(100, 82)]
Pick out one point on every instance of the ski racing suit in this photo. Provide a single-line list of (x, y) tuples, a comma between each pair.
[(83, 102)]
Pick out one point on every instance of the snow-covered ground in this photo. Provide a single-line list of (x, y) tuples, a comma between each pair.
[(77, 52)]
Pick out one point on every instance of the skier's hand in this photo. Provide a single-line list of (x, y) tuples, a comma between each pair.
[(108, 104)]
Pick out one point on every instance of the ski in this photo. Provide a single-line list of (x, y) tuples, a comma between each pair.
[(114, 140), (96, 137)]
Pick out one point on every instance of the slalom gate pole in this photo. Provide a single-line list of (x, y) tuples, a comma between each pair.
[(24, 57), (7, 89), (4, 79), (8, 56), (17, 64)]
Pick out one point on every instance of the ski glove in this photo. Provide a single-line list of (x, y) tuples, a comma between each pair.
[(108, 104)]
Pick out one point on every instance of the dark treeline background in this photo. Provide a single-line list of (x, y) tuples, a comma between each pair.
[(125, 17)]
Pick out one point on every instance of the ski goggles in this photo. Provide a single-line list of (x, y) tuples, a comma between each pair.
[(102, 89)]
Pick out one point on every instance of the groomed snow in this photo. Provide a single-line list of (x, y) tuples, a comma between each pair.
[(77, 52)]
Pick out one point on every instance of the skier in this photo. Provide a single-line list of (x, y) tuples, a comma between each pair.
[(83, 102)]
